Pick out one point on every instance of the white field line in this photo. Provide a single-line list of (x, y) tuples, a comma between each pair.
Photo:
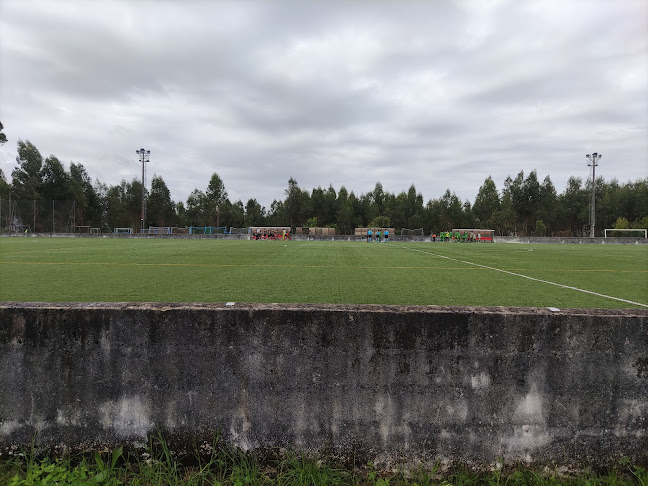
[(530, 278)]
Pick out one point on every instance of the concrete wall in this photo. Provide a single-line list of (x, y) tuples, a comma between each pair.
[(390, 384)]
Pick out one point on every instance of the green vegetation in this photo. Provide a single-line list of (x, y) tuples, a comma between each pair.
[(228, 467), (207, 270), (516, 208)]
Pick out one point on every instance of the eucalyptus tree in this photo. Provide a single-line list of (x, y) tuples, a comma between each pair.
[(216, 198), (254, 213), (55, 181), (487, 202), (88, 202), (160, 208), (26, 176)]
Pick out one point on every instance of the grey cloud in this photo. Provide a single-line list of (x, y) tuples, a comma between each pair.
[(441, 94)]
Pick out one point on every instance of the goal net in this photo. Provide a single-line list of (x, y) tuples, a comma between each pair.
[(201, 230), (159, 230), (123, 231), (624, 233), (240, 231), (412, 232)]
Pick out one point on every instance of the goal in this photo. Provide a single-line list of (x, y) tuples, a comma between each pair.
[(412, 232), (240, 231), (123, 231), (159, 230), (619, 233), (201, 230)]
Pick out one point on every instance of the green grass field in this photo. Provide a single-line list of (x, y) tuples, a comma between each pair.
[(206, 270)]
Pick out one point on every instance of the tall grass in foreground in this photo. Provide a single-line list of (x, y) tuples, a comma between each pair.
[(225, 466)]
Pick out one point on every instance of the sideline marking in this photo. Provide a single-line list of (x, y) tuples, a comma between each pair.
[(530, 278)]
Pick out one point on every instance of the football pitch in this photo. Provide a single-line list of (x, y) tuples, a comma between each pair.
[(209, 270)]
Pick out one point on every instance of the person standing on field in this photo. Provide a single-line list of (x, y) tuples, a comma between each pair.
[(386, 236), (378, 236), (369, 236)]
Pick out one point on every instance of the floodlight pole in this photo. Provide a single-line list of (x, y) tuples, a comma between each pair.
[(143, 158), (593, 159)]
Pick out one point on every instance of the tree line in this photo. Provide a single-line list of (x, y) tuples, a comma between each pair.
[(523, 206)]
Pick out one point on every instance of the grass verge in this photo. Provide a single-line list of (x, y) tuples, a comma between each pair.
[(228, 467)]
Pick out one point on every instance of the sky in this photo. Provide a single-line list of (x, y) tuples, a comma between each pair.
[(440, 94)]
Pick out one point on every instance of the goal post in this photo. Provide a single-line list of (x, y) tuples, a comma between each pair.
[(412, 232), (123, 231), (159, 230), (200, 230), (240, 231), (614, 233)]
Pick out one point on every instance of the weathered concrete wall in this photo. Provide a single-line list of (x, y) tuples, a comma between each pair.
[(465, 385)]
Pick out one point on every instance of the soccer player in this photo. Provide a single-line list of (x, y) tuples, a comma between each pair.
[(386, 236), (369, 236), (378, 236)]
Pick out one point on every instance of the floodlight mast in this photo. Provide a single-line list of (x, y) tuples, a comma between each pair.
[(593, 159), (143, 158)]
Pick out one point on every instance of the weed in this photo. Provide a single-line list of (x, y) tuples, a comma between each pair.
[(298, 470)]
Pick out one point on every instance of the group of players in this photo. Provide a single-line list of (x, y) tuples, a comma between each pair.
[(270, 234), (459, 237), (380, 237)]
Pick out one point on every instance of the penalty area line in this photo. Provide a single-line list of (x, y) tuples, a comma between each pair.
[(530, 278)]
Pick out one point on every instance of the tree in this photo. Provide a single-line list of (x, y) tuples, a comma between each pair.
[(181, 214), (26, 176), (380, 222), (277, 215), (621, 223), (379, 198), (216, 197), (197, 209), (574, 206), (548, 205), (254, 213), (296, 204), (233, 214), (88, 201), (505, 219), (160, 207), (116, 216), (55, 182), (3, 137), (344, 215), (487, 202), (540, 228), (5, 188)]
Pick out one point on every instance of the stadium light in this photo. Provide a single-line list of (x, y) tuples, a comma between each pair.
[(143, 158), (593, 159)]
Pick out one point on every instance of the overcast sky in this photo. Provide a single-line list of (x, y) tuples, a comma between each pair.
[(439, 94)]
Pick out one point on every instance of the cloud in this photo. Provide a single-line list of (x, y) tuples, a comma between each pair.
[(439, 94)]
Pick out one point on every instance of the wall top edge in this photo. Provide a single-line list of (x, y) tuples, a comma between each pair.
[(358, 308)]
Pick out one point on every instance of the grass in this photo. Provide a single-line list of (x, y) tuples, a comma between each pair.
[(206, 270), (228, 467)]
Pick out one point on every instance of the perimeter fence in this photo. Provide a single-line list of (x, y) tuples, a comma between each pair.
[(38, 216)]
